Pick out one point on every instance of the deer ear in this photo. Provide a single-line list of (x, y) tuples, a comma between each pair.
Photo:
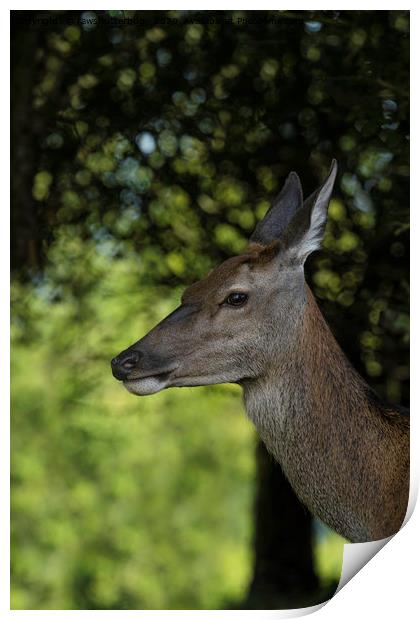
[(278, 217), (306, 229)]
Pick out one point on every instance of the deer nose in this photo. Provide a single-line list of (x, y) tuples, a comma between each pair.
[(124, 363)]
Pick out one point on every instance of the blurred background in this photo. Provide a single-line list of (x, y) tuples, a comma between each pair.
[(145, 147)]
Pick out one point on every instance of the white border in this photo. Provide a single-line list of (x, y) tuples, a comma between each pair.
[(387, 586)]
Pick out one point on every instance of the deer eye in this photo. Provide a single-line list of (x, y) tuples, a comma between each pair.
[(236, 299)]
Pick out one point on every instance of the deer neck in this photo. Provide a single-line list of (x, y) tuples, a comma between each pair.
[(310, 377), (316, 416)]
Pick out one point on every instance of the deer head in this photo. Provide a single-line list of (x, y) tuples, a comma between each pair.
[(232, 324)]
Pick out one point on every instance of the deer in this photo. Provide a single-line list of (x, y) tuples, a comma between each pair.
[(254, 321)]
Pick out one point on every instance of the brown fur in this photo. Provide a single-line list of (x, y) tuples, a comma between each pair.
[(344, 452), (256, 254), (208, 286)]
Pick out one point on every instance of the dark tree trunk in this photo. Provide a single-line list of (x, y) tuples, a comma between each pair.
[(284, 575), (24, 230)]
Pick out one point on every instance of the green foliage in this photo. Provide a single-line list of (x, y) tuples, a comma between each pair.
[(329, 558), (117, 501)]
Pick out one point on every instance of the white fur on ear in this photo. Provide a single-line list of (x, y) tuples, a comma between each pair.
[(308, 226), (313, 238)]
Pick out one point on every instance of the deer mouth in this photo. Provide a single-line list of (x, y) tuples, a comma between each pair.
[(143, 385)]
